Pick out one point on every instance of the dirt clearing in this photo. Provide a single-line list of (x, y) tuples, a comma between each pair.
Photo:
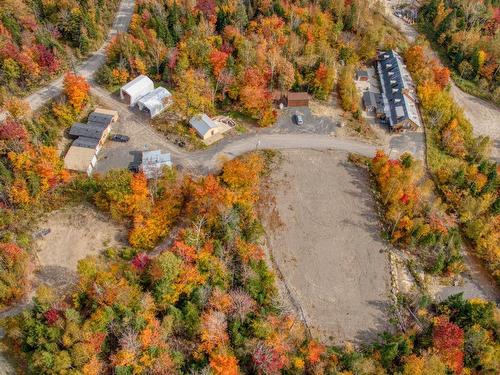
[(75, 233), (323, 233)]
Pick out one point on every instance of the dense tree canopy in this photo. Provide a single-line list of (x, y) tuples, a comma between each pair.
[(237, 53), (38, 38), (466, 177), (469, 33)]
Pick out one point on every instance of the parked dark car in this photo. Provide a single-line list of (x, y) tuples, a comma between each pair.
[(298, 119), (120, 138), (133, 167)]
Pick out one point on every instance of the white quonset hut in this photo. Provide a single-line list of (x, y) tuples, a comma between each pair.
[(155, 101), (136, 89)]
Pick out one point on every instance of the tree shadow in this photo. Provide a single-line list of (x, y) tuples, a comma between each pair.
[(381, 324), (57, 277), (361, 192)]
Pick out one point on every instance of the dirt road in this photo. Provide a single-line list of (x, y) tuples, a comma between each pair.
[(89, 66)]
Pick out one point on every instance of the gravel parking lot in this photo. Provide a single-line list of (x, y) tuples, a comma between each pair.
[(312, 122), (324, 235)]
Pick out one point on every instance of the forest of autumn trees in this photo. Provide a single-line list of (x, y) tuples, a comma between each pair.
[(468, 32), (209, 303), (39, 39), (465, 176), (234, 54), (416, 218), (31, 177)]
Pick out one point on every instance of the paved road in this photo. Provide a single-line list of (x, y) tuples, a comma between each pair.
[(483, 115), (89, 66)]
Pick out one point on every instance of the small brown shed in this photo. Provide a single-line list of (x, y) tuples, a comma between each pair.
[(298, 99)]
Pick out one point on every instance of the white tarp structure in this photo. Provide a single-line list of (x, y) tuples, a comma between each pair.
[(136, 89), (155, 101)]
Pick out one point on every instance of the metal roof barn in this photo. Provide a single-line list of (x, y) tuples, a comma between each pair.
[(100, 118), (86, 142), (105, 111), (153, 162), (298, 99), (155, 101), (87, 130), (136, 89), (202, 124)]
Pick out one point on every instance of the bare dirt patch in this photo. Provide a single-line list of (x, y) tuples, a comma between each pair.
[(75, 232), (326, 245)]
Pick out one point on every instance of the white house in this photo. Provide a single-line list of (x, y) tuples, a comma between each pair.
[(155, 101), (136, 89), (206, 127)]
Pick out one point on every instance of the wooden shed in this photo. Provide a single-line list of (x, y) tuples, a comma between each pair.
[(298, 99)]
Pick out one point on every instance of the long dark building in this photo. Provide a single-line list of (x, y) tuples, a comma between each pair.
[(399, 96)]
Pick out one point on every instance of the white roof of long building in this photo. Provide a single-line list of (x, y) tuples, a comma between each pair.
[(138, 85)]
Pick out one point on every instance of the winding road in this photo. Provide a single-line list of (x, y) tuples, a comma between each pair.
[(90, 65)]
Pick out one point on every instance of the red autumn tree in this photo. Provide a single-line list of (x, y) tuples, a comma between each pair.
[(267, 360), (441, 75), (448, 341), (12, 130), (208, 8), (218, 59), (76, 89)]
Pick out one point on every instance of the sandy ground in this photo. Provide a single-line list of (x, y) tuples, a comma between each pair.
[(324, 236), (75, 233)]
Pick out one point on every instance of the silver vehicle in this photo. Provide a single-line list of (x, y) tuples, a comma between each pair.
[(298, 119)]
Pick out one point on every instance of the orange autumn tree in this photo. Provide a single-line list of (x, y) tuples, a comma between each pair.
[(14, 271), (255, 96), (441, 75), (207, 198), (242, 176), (224, 364), (453, 139), (77, 90), (37, 171)]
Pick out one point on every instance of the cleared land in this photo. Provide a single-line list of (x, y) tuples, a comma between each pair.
[(75, 232), (324, 236)]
